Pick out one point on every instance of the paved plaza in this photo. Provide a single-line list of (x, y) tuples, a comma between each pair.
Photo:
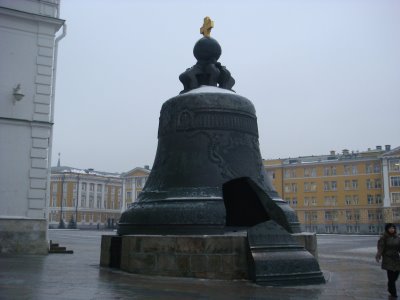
[(347, 262)]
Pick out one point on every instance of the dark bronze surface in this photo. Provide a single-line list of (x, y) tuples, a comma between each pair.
[(204, 140)]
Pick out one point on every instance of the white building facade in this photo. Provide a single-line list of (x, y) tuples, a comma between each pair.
[(28, 54)]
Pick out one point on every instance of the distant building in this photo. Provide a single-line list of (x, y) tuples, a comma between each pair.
[(84, 198), (28, 59), (134, 181), (341, 193), (90, 198)]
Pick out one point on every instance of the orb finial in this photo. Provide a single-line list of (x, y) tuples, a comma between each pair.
[(207, 70)]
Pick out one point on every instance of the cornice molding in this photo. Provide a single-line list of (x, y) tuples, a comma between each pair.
[(31, 16)]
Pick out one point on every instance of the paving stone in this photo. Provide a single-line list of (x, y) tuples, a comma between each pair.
[(347, 262)]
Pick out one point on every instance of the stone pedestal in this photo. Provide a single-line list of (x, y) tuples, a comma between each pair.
[(198, 256), (308, 240), (213, 257), (23, 236), (278, 259)]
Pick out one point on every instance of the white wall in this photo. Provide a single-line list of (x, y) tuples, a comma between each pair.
[(27, 35)]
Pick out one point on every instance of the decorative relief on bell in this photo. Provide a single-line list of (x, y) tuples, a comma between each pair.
[(184, 121), (203, 120)]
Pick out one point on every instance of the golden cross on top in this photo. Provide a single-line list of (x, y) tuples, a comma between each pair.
[(206, 28)]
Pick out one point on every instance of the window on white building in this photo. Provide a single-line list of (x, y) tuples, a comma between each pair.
[(83, 201), (139, 182)]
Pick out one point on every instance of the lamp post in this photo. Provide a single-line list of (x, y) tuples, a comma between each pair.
[(76, 204), (106, 188), (61, 225)]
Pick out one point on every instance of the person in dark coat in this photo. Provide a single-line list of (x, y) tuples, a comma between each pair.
[(388, 251)]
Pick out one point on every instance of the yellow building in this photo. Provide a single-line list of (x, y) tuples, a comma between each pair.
[(134, 181), (94, 199), (341, 193), (90, 199)]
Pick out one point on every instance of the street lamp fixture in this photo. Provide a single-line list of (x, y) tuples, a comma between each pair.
[(18, 95)]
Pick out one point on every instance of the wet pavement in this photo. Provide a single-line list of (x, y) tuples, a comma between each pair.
[(347, 262)]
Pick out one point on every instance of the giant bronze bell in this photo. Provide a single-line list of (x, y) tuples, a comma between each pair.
[(207, 136), (208, 176)]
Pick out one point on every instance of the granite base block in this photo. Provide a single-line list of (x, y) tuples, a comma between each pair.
[(197, 256), (181, 256), (23, 236)]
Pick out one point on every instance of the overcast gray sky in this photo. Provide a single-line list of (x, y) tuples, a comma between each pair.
[(323, 75)]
